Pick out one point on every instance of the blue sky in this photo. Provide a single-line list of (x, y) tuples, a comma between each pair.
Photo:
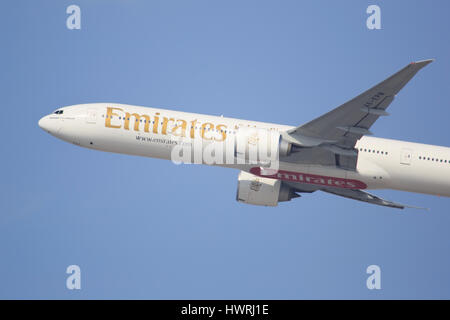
[(146, 228)]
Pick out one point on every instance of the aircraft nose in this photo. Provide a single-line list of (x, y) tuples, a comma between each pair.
[(47, 124), (43, 123)]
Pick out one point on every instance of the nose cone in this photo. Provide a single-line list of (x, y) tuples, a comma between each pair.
[(49, 125), (44, 124)]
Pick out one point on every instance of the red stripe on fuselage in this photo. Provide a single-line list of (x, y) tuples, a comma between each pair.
[(311, 179)]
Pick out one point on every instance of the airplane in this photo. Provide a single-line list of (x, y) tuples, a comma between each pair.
[(334, 153)]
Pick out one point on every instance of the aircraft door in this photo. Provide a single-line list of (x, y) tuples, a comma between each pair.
[(406, 156), (91, 116)]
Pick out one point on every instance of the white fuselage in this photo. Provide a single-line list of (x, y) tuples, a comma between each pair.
[(153, 132)]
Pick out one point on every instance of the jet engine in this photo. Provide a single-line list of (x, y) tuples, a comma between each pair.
[(262, 191)]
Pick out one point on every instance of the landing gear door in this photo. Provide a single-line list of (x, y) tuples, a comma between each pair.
[(406, 156), (91, 116)]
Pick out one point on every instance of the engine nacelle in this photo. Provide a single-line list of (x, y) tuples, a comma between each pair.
[(262, 191), (258, 146)]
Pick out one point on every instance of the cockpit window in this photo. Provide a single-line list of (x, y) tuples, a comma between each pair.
[(59, 112)]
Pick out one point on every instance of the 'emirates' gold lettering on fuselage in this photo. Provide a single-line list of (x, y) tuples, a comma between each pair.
[(179, 126)]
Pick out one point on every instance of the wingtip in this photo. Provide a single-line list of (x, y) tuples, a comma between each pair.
[(422, 62), (418, 208)]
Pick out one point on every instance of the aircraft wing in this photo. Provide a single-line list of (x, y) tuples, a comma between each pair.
[(366, 197), (354, 194), (342, 127)]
